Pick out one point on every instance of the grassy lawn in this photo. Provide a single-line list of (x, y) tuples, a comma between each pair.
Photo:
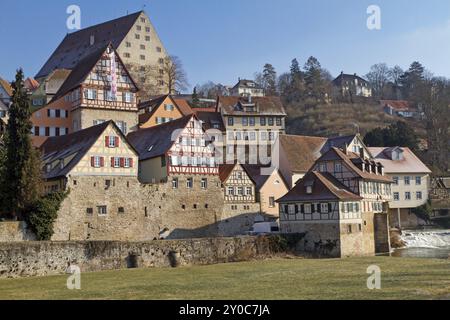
[(270, 279)]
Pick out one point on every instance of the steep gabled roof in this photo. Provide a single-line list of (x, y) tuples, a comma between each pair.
[(76, 144), (225, 170), (264, 105), (343, 77), (156, 141), (302, 151), (397, 105), (6, 86), (349, 159), (83, 69), (243, 83), (76, 46), (324, 187), (254, 172), (410, 163), (210, 120), (156, 102)]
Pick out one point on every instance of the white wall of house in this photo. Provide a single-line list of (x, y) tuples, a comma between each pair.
[(409, 195)]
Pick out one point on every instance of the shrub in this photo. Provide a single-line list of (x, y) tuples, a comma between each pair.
[(42, 214)]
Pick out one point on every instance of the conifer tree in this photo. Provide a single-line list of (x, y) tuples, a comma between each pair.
[(21, 166), (195, 98)]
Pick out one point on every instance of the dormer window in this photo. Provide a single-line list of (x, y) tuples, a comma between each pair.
[(309, 189)]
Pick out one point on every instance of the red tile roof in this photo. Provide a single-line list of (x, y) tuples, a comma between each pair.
[(397, 105), (324, 187)]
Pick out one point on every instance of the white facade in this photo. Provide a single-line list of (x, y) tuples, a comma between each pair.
[(409, 190)]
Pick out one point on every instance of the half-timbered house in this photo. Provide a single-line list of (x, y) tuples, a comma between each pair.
[(362, 223), (98, 89)]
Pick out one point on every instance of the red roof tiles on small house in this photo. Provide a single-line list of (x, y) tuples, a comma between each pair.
[(6, 86)]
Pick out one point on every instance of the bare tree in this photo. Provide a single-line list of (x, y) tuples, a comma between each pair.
[(174, 74), (378, 78), (395, 75)]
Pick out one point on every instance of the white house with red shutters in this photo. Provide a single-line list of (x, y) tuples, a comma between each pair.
[(98, 151)]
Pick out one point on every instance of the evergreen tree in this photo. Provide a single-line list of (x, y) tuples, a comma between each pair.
[(398, 134), (412, 80), (195, 98), (270, 80), (296, 73), (316, 84), (21, 169)]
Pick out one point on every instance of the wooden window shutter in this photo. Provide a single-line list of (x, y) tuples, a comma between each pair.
[(117, 142), (92, 161), (330, 208), (302, 208), (112, 162), (131, 162), (319, 208), (122, 162), (296, 208), (102, 162), (106, 141)]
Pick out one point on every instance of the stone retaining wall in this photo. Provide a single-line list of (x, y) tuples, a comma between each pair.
[(23, 259)]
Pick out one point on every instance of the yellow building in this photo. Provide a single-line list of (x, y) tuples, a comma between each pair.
[(162, 109)]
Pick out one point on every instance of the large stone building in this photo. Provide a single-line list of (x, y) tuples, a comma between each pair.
[(341, 205), (411, 184), (98, 89), (135, 39)]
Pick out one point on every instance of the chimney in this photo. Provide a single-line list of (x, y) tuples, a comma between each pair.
[(346, 149), (92, 40)]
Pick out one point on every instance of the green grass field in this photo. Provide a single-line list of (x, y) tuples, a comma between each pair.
[(401, 278)]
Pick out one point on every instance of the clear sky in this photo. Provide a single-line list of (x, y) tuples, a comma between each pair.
[(221, 40)]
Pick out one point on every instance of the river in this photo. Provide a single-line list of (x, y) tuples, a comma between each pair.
[(425, 244)]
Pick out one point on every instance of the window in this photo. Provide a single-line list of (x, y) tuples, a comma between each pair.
[(349, 228), (189, 183), (142, 57), (147, 38), (323, 167), (116, 162), (137, 36), (407, 195), (102, 210), (251, 121), (240, 191), (252, 136), (127, 55), (169, 107), (324, 207), (418, 181), (90, 94), (278, 122), (338, 167), (97, 162), (272, 202), (307, 208), (128, 97), (175, 183), (127, 163), (396, 196), (291, 209), (395, 180), (112, 141), (230, 121), (158, 49), (230, 191), (122, 126), (89, 211), (309, 189), (263, 136), (128, 44), (262, 121), (147, 29), (204, 183), (249, 191), (121, 210), (138, 28), (143, 20), (407, 181), (419, 195)]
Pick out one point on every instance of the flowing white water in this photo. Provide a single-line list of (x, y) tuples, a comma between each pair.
[(427, 239)]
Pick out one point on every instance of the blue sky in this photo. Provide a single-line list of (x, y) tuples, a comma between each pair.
[(226, 39)]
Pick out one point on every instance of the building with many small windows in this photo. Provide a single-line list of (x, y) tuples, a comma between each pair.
[(411, 185), (135, 39), (341, 205)]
